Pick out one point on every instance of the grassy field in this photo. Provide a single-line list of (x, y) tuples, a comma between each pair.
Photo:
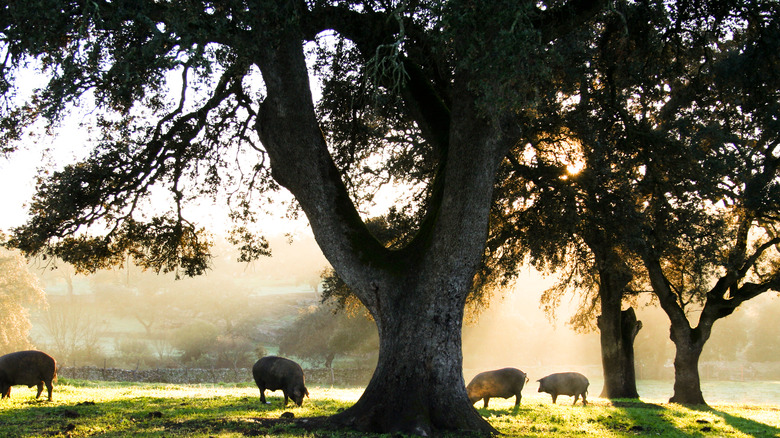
[(87, 409)]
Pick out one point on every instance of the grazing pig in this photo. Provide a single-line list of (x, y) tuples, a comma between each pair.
[(574, 384), (29, 368), (274, 373), (504, 383)]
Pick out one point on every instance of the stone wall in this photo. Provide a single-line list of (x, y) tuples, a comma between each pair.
[(322, 377)]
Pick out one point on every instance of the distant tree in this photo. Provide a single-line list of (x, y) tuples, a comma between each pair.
[(74, 330), (52, 272), (131, 292), (321, 333), (216, 298), (19, 291), (233, 351), (133, 352), (164, 351), (763, 345), (195, 340)]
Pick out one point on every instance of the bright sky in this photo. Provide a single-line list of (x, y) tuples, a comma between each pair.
[(19, 170), (17, 189), (17, 177)]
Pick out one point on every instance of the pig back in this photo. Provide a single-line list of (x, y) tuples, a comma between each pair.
[(503, 383), (564, 383), (277, 373), (27, 368)]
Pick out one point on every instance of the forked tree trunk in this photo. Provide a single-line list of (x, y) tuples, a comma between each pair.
[(416, 294), (687, 384), (417, 387), (688, 341)]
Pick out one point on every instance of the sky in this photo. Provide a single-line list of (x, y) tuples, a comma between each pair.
[(19, 170), (17, 177)]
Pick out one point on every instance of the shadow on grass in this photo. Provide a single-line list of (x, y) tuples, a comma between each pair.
[(640, 418), (625, 418), (744, 425)]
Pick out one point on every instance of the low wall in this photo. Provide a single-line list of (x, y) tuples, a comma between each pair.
[(339, 377)]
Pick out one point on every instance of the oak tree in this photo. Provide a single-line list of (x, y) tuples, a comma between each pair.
[(460, 78)]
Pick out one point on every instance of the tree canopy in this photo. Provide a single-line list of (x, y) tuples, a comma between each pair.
[(664, 166)]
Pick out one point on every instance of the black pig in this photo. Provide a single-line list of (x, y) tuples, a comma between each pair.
[(275, 373), (574, 384), (504, 383), (29, 368)]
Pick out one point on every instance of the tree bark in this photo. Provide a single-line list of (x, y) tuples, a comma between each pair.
[(618, 332), (618, 329), (687, 384), (417, 387)]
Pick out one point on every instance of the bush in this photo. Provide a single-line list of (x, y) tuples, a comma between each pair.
[(195, 340), (133, 353)]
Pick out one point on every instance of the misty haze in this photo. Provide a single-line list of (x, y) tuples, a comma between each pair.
[(128, 319)]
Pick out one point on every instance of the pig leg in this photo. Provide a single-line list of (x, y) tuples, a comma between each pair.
[(576, 397), (262, 394), (40, 389), (285, 399), (518, 397), (7, 393), (49, 388), (554, 396), (584, 401)]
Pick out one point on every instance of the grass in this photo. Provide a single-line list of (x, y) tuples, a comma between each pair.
[(107, 409)]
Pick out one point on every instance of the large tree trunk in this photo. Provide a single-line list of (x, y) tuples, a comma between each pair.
[(417, 387), (687, 385), (618, 331), (618, 328)]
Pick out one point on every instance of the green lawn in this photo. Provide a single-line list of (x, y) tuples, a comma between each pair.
[(87, 409)]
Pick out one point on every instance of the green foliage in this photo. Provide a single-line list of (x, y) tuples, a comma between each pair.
[(643, 155), (373, 142), (678, 170), (507, 62), (121, 60)]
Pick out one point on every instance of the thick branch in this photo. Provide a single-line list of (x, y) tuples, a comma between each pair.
[(300, 161), (371, 30)]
